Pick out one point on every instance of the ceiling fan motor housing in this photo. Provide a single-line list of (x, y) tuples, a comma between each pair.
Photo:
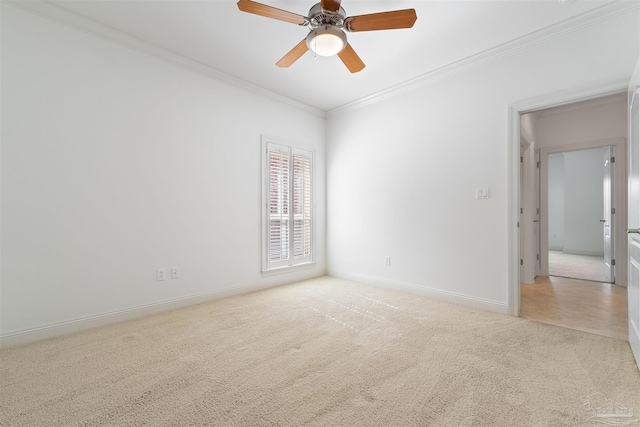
[(326, 37), (319, 17)]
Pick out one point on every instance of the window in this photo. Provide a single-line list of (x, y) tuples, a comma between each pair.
[(287, 208)]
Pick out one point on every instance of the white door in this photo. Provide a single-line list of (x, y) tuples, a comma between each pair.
[(607, 222), (633, 290), (521, 225), (536, 221)]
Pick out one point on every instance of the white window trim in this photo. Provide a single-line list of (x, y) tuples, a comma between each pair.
[(266, 270)]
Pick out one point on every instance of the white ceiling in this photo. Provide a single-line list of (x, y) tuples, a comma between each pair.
[(216, 34)]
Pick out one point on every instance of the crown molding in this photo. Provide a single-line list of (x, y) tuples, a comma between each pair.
[(590, 18), (57, 14), (541, 36)]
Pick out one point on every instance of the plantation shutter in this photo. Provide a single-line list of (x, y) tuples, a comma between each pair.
[(289, 210), (278, 206), (301, 206)]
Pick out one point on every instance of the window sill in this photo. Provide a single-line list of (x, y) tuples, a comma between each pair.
[(288, 269)]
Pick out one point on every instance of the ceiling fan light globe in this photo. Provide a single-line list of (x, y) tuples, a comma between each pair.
[(326, 41)]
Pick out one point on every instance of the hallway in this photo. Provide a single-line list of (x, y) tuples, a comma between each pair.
[(599, 308)]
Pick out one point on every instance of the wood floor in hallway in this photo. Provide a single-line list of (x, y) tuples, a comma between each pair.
[(599, 308)]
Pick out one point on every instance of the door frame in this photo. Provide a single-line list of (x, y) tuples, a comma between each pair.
[(514, 112), (618, 150), (632, 240)]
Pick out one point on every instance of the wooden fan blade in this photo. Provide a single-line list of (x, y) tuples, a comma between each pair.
[(293, 55), (382, 21), (332, 5), (270, 12), (351, 59)]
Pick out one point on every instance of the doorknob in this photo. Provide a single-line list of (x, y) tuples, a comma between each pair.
[(633, 230), (603, 220)]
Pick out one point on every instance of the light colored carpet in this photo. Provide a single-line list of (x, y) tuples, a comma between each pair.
[(576, 266), (323, 352)]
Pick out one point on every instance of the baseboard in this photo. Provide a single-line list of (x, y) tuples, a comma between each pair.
[(26, 336), (634, 342), (425, 291)]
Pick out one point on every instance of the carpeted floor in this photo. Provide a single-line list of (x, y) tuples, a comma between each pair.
[(323, 352), (576, 266)]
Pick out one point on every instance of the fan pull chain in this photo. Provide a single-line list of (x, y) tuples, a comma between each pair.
[(315, 51)]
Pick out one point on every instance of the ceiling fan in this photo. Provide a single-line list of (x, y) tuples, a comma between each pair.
[(328, 22)]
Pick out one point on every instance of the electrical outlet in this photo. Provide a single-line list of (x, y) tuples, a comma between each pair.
[(161, 274), (175, 272), (387, 261)]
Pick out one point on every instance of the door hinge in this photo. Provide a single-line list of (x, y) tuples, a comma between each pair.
[(613, 262), (521, 262), (521, 159), (613, 160), (538, 164), (520, 210), (537, 211), (537, 257), (613, 210), (518, 225)]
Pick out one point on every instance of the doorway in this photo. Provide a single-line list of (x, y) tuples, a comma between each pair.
[(574, 153), (579, 215), (574, 135)]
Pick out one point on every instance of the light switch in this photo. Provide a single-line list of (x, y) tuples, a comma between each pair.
[(482, 193)]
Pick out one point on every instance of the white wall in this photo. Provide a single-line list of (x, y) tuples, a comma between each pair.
[(528, 125), (402, 173), (115, 164), (576, 126)]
